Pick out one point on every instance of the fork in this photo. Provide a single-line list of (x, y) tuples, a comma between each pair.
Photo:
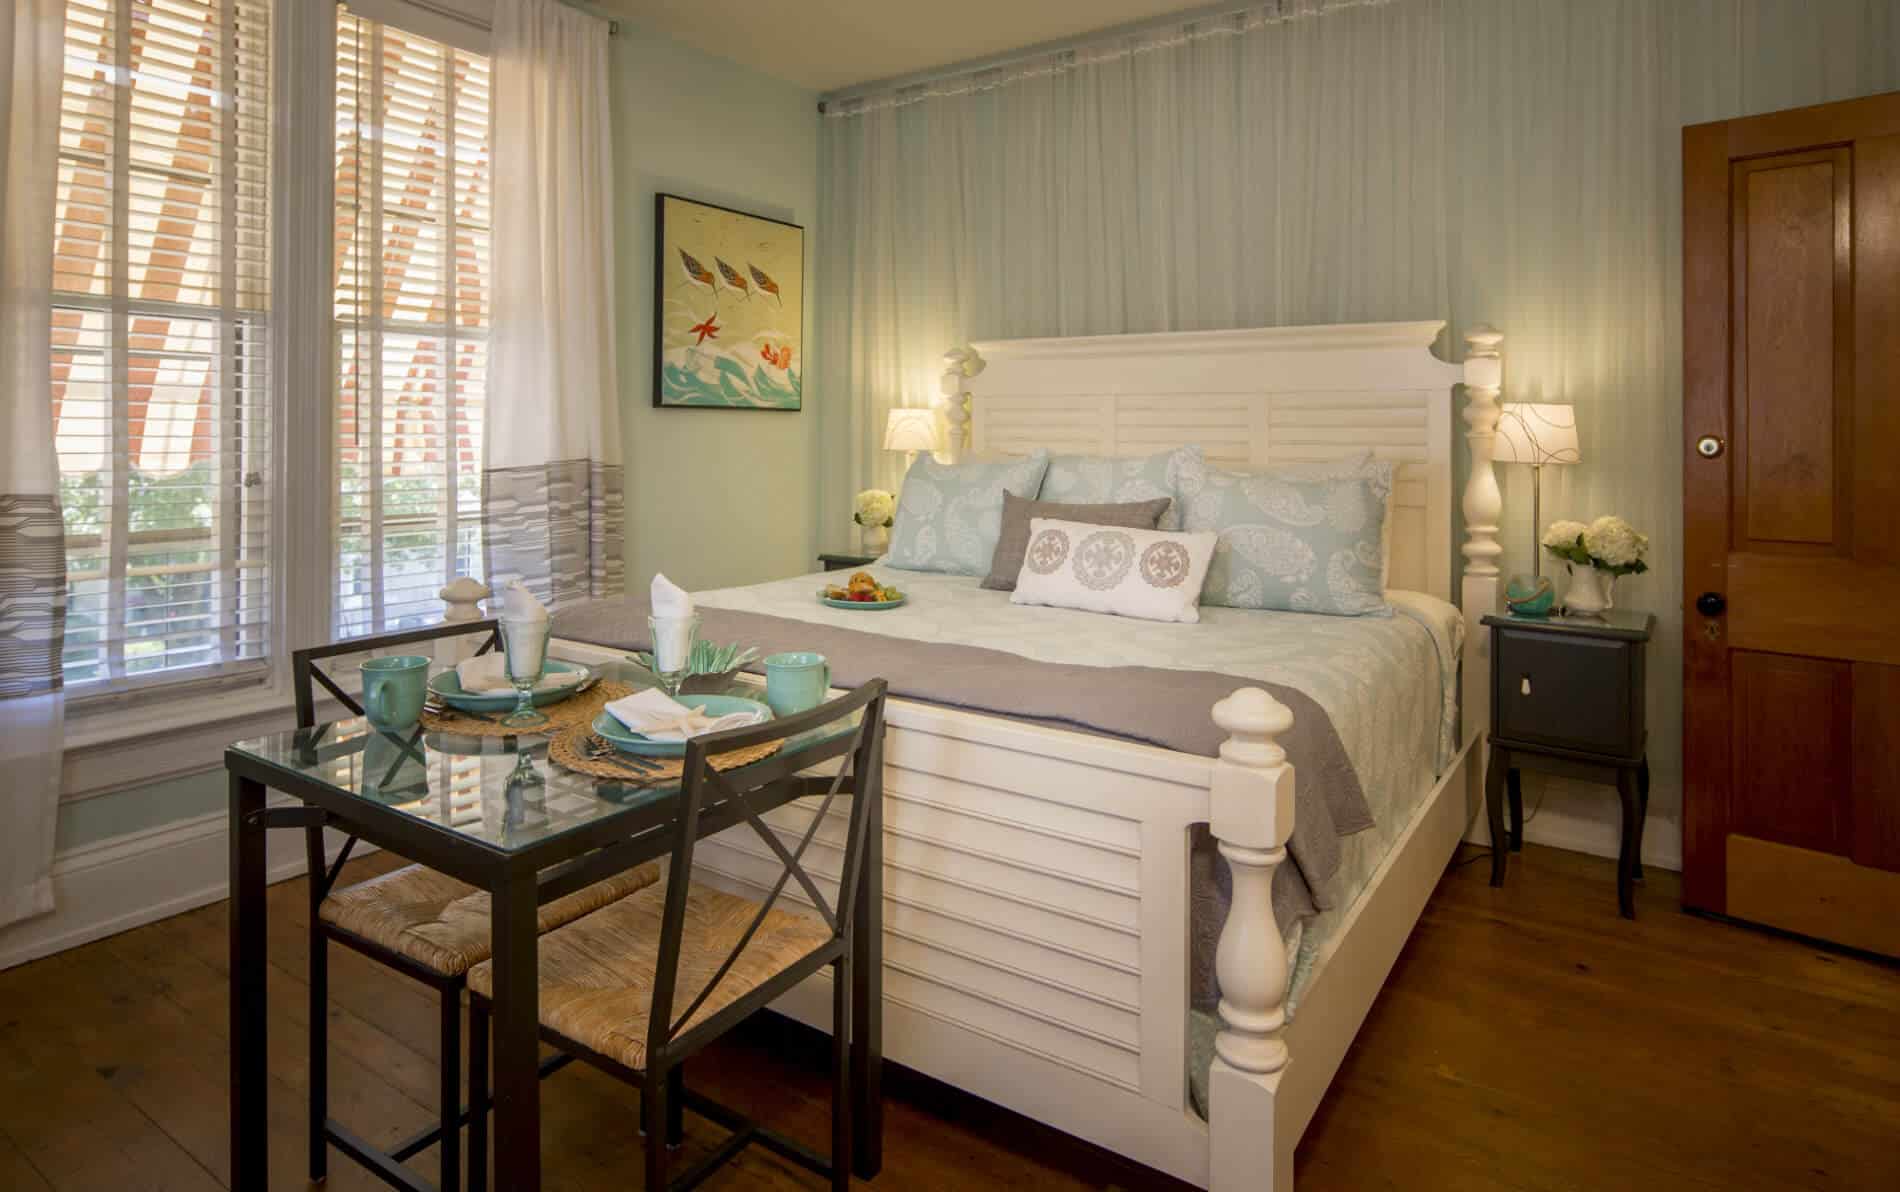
[(441, 709), (598, 748)]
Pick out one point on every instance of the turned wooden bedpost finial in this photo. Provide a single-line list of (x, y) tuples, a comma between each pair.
[(1483, 503), (1251, 817), (953, 398)]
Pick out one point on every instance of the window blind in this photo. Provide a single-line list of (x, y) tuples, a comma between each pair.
[(411, 301), (161, 289)]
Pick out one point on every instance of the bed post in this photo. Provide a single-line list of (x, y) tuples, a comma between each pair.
[(1251, 817), (953, 397), (1483, 506)]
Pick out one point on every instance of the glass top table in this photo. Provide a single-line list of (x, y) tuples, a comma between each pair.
[(456, 803), (470, 785)]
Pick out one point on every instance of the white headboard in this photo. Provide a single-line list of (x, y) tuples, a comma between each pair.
[(1249, 397)]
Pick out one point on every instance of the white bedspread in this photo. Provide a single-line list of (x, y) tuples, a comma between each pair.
[(1388, 683)]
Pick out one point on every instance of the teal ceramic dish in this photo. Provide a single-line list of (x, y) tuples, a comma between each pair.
[(1526, 597), (448, 685), (628, 741), (869, 606)]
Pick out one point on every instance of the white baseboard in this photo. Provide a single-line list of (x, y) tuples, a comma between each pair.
[(128, 881), (1585, 818)]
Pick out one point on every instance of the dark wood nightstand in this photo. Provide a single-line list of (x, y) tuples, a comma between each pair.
[(839, 560), (1567, 698)]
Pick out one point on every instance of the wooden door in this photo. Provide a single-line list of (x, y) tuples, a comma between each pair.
[(1791, 520)]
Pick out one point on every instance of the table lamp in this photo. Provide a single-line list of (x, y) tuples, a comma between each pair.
[(1536, 434), (911, 431)]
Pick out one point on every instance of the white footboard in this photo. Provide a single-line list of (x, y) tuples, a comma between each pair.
[(1036, 922)]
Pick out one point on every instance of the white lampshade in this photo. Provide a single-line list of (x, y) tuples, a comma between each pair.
[(911, 430), (1536, 433)]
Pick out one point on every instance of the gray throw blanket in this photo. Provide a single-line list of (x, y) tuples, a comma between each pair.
[(1168, 708)]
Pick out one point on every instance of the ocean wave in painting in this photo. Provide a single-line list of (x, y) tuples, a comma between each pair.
[(756, 372)]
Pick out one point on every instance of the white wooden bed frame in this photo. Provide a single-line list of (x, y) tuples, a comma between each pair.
[(1036, 881)]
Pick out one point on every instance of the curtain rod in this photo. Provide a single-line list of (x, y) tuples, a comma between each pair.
[(1095, 37), (451, 13)]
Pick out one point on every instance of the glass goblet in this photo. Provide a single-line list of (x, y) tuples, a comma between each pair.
[(525, 649), (672, 650)]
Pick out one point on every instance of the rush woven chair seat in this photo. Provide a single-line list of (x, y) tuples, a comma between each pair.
[(637, 987), (426, 925), (442, 924)]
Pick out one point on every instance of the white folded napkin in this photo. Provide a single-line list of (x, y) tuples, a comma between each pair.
[(652, 714), (486, 674), (669, 599), (519, 604)]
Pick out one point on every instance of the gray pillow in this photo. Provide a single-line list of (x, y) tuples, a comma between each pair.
[(1007, 563)]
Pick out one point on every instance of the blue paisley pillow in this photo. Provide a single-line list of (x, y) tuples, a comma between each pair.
[(1113, 480), (950, 515), (1304, 543)]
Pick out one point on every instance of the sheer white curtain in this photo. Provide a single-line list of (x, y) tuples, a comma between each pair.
[(1515, 162), (32, 546), (552, 485), (1272, 166)]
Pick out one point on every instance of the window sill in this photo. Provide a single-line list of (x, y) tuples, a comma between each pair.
[(115, 748)]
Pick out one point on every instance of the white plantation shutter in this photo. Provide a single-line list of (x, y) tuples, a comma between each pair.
[(161, 287), (412, 268)]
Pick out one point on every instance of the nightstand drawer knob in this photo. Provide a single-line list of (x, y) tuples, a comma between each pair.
[(1711, 604), (1524, 685)]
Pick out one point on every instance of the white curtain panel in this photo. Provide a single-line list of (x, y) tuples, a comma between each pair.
[(1515, 162), (552, 484), (32, 547)]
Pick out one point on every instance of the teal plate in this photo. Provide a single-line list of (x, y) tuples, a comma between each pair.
[(448, 685), (628, 741), (868, 606)]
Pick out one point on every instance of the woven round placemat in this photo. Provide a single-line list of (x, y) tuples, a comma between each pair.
[(574, 710), (569, 751)]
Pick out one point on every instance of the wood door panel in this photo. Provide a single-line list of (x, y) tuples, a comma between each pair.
[(1793, 725), (1876, 500), (1792, 258), (1803, 604), (1874, 809)]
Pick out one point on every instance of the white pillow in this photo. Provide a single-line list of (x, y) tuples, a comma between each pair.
[(1155, 575)]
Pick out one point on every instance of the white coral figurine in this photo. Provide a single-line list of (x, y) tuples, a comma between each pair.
[(874, 507)]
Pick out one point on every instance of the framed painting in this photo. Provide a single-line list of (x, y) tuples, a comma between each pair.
[(728, 309)]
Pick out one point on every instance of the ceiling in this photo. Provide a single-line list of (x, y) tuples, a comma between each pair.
[(829, 44)]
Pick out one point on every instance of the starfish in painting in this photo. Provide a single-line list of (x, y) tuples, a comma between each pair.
[(707, 330)]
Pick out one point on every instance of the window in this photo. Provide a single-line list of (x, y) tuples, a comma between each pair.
[(161, 292), (411, 321)]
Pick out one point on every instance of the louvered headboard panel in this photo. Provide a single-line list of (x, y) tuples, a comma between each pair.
[(1249, 398)]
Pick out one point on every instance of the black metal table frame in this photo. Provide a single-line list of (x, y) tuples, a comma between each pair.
[(518, 882)]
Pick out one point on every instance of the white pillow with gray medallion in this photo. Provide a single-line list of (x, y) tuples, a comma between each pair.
[(1155, 575)]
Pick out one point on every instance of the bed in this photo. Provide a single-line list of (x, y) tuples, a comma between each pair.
[(1041, 880)]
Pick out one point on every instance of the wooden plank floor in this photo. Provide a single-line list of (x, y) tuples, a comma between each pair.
[(1528, 1039)]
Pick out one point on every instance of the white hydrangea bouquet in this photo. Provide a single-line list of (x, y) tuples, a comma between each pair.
[(873, 510), (1595, 555)]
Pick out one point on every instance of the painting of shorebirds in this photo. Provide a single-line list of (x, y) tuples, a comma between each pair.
[(729, 309)]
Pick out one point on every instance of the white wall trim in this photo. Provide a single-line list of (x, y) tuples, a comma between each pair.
[(141, 877), (1583, 818)]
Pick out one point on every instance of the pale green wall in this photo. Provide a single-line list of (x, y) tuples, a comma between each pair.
[(714, 497)]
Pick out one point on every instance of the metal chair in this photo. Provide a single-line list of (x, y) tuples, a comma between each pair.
[(427, 926), (610, 982)]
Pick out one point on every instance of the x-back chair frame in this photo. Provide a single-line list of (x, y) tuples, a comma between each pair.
[(670, 1041)]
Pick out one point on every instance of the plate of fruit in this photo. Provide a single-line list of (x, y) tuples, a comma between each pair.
[(862, 592)]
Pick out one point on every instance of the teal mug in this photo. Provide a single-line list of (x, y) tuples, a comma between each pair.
[(394, 688), (796, 682)]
